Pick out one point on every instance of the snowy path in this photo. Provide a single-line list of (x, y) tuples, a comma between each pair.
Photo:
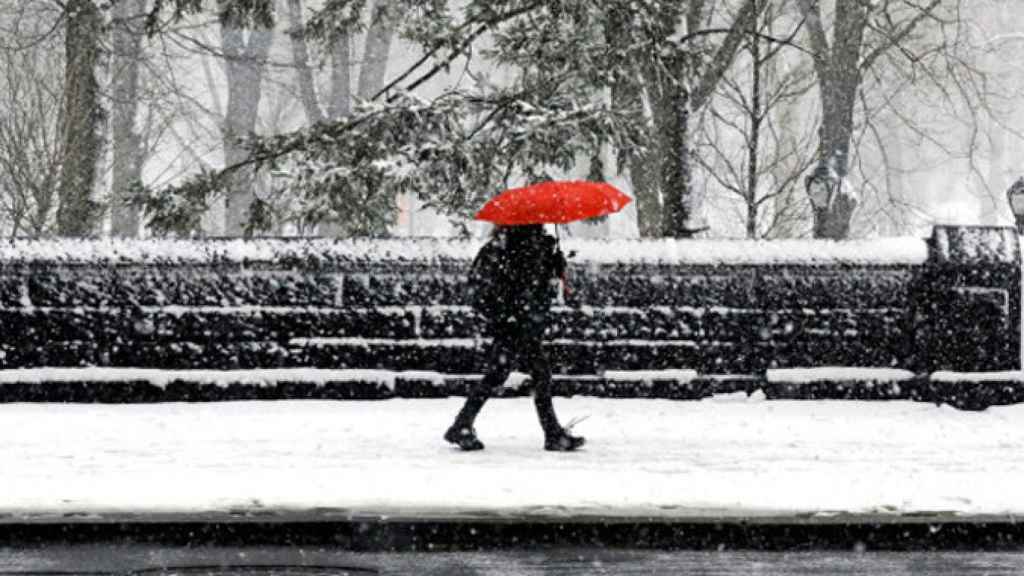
[(727, 456)]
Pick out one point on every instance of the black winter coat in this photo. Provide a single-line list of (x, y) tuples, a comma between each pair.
[(513, 281)]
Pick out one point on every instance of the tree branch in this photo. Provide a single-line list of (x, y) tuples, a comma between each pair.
[(895, 40), (724, 55)]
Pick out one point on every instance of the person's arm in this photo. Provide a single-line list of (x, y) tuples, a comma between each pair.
[(482, 280), (559, 263), (555, 258)]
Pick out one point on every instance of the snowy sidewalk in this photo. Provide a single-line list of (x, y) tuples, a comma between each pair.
[(726, 457)]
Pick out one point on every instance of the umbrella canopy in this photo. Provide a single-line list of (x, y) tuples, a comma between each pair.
[(554, 202)]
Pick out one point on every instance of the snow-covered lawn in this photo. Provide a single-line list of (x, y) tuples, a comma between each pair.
[(728, 456)]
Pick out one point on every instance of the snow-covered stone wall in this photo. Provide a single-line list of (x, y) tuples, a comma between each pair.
[(717, 307), (967, 307)]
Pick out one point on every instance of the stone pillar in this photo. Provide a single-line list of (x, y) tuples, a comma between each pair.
[(967, 314)]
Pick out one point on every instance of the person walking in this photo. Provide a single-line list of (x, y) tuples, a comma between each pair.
[(512, 282)]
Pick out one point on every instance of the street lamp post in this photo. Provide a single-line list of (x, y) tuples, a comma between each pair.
[(1015, 195)]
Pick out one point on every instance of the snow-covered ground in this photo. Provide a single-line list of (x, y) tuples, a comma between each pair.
[(727, 457)]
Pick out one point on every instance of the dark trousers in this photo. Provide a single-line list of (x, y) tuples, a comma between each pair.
[(507, 352)]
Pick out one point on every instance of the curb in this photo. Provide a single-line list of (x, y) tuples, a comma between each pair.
[(434, 536)]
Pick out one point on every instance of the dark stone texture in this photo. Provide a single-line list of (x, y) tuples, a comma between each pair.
[(116, 287), (966, 308), (123, 326), (570, 538), (971, 395), (11, 290), (958, 311), (846, 390), (716, 318), (834, 288)]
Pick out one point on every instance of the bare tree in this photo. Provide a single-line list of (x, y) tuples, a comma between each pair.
[(904, 47), (751, 144), (678, 84), (31, 110)]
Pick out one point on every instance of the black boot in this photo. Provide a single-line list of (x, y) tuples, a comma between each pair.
[(562, 441), (461, 433), (464, 437), (556, 438)]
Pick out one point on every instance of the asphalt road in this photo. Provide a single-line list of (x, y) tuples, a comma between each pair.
[(95, 559)]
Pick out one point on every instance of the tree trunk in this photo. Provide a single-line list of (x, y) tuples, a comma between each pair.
[(341, 78), (692, 84), (127, 147), (754, 141), (375, 54), (246, 61), (676, 169), (78, 214), (834, 151), (838, 68), (300, 59), (644, 172)]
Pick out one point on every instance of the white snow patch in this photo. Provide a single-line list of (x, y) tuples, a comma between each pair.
[(1003, 376), (888, 251), (121, 251), (974, 244), (409, 342), (258, 377), (838, 373), (649, 375), (272, 376), (435, 378), (626, 342), (516, 380)]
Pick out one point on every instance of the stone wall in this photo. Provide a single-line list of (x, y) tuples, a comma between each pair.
[(712, 319), (273, 304)]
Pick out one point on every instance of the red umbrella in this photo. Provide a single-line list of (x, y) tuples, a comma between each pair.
[(554, 202)]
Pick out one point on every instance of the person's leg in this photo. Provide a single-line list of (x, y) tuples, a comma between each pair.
[(499, 362), (539, 367), (555, 437)]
